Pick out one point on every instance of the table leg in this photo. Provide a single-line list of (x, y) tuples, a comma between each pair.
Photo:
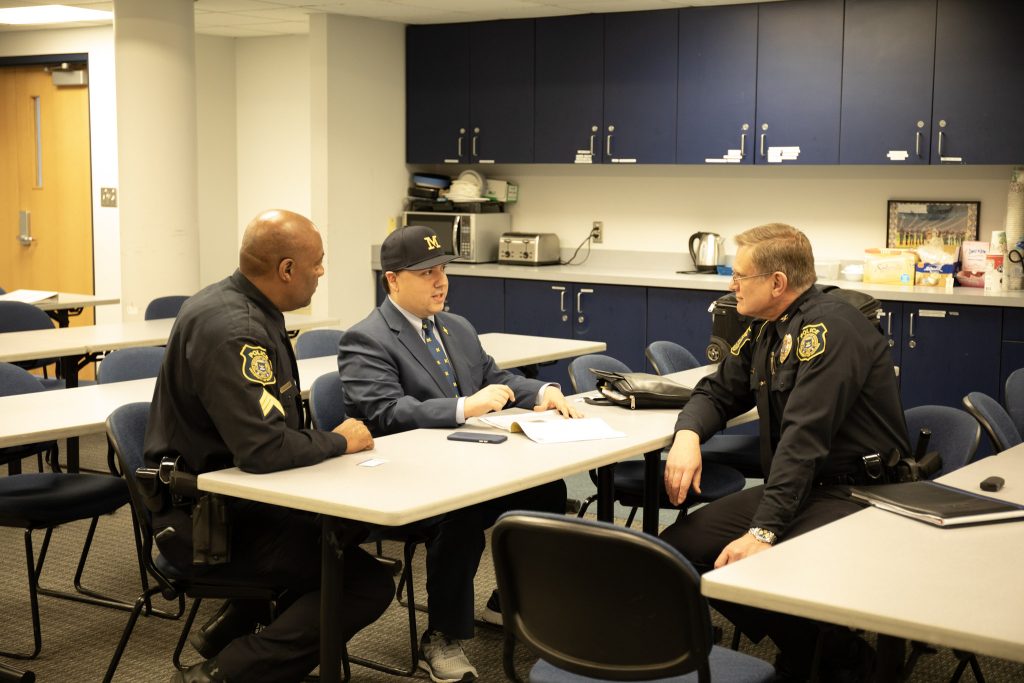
[(69, 370), (652, 490), (606, 493), (332, 561), (891, 653)]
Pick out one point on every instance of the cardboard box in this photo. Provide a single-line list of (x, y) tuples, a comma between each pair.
[(502, 191), (889, 266), (972, 256)]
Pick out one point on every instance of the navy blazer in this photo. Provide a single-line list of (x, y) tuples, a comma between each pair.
[(393, 383)]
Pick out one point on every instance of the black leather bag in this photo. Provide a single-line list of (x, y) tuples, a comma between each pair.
[(638, 390)]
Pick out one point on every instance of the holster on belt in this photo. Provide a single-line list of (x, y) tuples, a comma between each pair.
[(211, 530)]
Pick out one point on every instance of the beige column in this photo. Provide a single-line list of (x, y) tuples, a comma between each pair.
[(154, 48)]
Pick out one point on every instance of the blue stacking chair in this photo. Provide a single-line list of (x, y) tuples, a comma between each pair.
[(164, 307), (1013, 398), (611, 624), (14, 381), (994, 419), (327, 407), (17, 316), (717, 480), (127, 364), (739, 451), (317, 343)]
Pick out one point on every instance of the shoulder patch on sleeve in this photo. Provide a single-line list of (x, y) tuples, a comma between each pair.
[(811, 342), (744, 338), (256, 366)]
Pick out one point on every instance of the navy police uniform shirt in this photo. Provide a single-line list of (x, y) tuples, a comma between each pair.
[(228, 391), (825, 387)]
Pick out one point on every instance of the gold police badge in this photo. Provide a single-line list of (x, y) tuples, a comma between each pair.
[(256, 366), (744, 338), (787, 346), (811, 342)]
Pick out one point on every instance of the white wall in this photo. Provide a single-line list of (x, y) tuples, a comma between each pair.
[(98, 43), (358, 114), (656, 208), (217, 175)]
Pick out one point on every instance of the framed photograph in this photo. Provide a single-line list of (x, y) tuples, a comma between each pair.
[(916, 223)]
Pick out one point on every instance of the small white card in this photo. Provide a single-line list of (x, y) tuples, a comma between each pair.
[(372, 462)]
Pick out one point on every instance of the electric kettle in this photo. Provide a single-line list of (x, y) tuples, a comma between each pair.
[(709, 251)]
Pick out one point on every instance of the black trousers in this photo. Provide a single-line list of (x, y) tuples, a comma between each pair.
[(702, 535), (455, 544), (281, 547)]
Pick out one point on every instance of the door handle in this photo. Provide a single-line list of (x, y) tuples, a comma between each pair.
[(579, 299), (593, 134), (25, 228), (940, 144), (917, 143), (763, 136), (911, 324), (561, 297), (743, 145), (472, 150)]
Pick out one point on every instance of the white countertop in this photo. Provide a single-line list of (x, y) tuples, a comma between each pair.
[(652, 269)]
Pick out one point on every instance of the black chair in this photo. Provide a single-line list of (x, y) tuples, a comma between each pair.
[(739, 451), (48, 500), (126, 430), (164, 307), (14, 381), (1013, 398), (317, 343), (994, 419), (327, 407), (716, 480), (17, 316), (639, 616), (127, 364)]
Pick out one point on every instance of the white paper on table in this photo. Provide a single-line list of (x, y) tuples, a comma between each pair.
[(564, 431), (28, 296), (511, 421)]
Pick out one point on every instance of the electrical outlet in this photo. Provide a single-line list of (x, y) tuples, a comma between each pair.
[(597, 232), (108, 196)]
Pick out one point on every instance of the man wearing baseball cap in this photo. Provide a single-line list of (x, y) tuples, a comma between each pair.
[(409, 365)]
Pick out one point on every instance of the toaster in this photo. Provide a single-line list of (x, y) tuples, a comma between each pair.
[(528, 248)]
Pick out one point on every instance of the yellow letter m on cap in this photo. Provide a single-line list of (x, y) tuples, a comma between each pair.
[(432, 243)]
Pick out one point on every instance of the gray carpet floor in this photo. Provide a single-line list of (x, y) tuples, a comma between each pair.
[(78, 639)]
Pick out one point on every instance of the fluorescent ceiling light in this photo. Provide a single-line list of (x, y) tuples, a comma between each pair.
[(51, 14)]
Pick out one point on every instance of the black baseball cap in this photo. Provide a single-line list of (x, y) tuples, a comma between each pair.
[(413, 247)]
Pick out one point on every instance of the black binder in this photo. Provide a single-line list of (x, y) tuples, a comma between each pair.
[(938, 504)]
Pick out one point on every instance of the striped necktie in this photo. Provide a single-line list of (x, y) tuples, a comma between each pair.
[(437, 351)]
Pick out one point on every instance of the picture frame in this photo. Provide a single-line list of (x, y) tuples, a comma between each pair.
[(913, 223)]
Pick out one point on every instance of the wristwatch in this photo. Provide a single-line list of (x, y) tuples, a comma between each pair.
[(763, 535)]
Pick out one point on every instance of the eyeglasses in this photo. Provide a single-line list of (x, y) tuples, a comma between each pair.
[(737, 278)]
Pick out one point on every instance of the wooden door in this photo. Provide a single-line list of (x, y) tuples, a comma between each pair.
[(45, 159)]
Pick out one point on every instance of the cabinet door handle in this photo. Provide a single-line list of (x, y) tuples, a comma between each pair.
[(579, 299), (608, 146), (917, 143), (888, 324), (911, 324), (940, 145), (763, 136), (561, 297), (473, 148), (459, 148), (743, 145)]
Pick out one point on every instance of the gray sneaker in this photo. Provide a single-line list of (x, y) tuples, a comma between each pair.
[(444, 659)]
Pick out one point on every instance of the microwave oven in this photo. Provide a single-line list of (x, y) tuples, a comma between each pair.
[(473, 237)]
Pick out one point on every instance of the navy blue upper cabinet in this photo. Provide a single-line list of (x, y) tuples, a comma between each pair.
[(469, 92), (976, 118), (799, 80), (569, 89), (437, 94), (640, 80), (501, 91), (717, 82), (888, 60)]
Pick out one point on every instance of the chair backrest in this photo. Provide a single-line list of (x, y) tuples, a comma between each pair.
[(955, 434), (579, 370), (606, 624), (327, 401), (1015, 398), (994, 419), (127, 364), (316, 343), (15, 380), (17, 316), (668, 357), (164, 307)]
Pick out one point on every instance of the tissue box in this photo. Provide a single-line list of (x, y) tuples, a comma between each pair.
[(502, 191), (889, 267), (933, 274)]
